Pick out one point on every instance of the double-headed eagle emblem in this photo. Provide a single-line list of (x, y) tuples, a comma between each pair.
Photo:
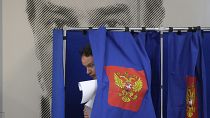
[(130, 86), (190, 100)]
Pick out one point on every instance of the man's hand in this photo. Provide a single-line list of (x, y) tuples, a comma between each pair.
[(86, 114)]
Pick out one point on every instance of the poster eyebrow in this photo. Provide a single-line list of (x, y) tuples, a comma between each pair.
[(113, 9), (59, 9)]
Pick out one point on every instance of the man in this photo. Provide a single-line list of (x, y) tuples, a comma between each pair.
[(88, 63), (44, 15)]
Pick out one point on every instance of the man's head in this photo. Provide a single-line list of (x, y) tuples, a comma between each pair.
[(87, 61)]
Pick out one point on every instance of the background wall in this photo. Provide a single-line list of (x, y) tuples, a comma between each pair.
[(186, 13), (1, 76), (21, 91), (20, 87)]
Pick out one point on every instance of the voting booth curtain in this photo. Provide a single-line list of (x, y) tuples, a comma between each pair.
[(128, 74), (185, 77)]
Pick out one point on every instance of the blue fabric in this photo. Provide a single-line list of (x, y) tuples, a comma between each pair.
[(201, 77), (206, 54), (182, 57), (119, 49), (165, 74), (75, 72), (58, 103), (152, 45)]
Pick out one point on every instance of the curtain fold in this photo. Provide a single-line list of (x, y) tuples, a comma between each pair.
[(123, 74), (205, 35), (75, 72), (58, 103), (152, 45)]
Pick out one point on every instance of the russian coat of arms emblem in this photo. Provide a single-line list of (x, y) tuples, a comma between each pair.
[(127, 87)]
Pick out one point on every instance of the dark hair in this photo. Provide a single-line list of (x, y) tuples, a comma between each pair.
[(86, 51)]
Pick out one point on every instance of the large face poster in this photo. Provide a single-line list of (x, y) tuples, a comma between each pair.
[(27, 44), (44, 15)]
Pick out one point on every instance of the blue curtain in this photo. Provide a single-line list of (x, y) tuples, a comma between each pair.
[(75, 72), (58, 75), (184, 65), (186, 59), (120, 58), (152, 45), (151, 40), (206, 54)]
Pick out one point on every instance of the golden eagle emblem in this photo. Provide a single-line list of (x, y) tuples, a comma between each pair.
[(127, 87), (130, 86), (191, 98)]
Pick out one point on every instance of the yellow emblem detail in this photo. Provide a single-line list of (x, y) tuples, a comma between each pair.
[(190, 100), (130, 85)]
